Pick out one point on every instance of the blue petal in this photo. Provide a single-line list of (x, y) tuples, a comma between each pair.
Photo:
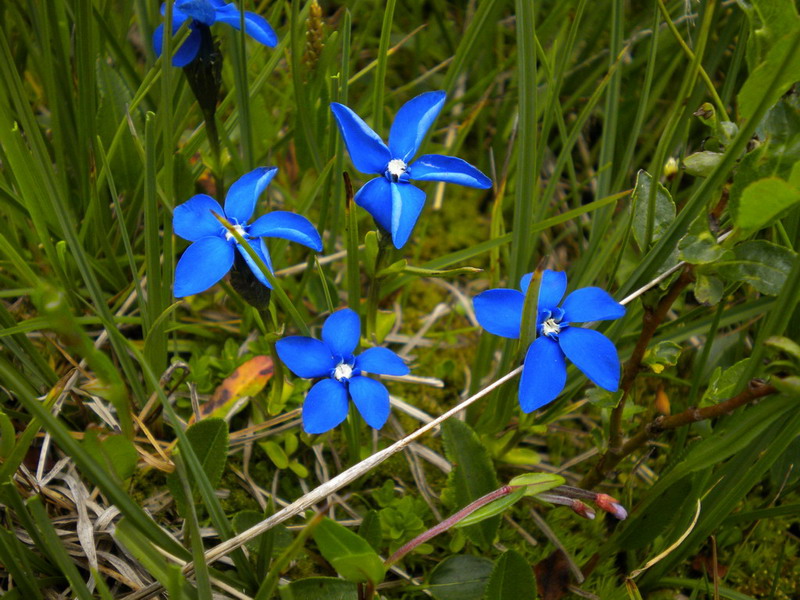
[(288, 226), (412, 122), (241, 199), (382, 361), (261, 249), (188, 50), (325, 406), (593, 353), (305, 356), (500, 311), (543, 374), (199, 10), (342, 332), (255, 25), (407, 203), (591, 304), (193, 219), (371, 399), (367, 151), (376, 198), (202, 265), (436, 167), (551, 290)]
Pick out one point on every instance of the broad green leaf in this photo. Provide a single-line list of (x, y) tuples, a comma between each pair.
[(769, 21), (762, 264), (512, 577), (496, 507), (758, 85), (350, 554), (209, 440), (664, 212), (762, 201), (460, 577), (472, 476), (118, 453), (699, 246), (319, 588), (537, 483)]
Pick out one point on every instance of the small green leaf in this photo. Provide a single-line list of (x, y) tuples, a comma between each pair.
[(394, 268), (350, 554), (370, 251), (664, 213), (209, 440), (319, 588), (785, 345), (757, 85), (537, 483), (522, 457), (493, 508), (370, 529), (460, 577), (512, 577), (472, 476), (708, 289), (701, 164), (762, 264), (763, 201), (662, 355), (723, 383), (275, 453), (699, 246)]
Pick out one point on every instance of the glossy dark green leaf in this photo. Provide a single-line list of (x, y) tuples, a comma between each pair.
[(472, 476), (512, 577), (763, 201), (760, 263), (460, 577), (350, 554)]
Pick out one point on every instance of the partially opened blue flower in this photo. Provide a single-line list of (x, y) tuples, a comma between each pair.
[(211, 255), (201, 13), (544, 373), (393, 202), (332, 358)]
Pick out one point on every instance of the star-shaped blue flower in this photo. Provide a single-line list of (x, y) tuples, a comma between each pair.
[(393, 202), (206, 13), (326, 404), (211, 255), (544, 373)]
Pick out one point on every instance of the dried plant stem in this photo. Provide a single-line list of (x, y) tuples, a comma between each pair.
[(650, 321)]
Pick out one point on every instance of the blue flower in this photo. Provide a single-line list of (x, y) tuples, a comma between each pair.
[(393, 202), (326, 404), (205, 13), (544, 373), (211, 255)]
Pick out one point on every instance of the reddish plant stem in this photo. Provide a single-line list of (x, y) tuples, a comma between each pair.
[(450, 521), (650, 321)]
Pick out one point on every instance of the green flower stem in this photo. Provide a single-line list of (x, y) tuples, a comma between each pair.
[(268, 323), (283, 299), (450, 521), (352, 432), (384, 251)]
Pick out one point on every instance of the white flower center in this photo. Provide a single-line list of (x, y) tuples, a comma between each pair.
[(239, 229), (343, 371), (396, 167), (550, 327)]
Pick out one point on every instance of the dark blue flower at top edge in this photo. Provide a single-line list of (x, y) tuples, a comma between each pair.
[(341, 370), (206, 13), (394, 203), (544, 372), (211, 254)]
